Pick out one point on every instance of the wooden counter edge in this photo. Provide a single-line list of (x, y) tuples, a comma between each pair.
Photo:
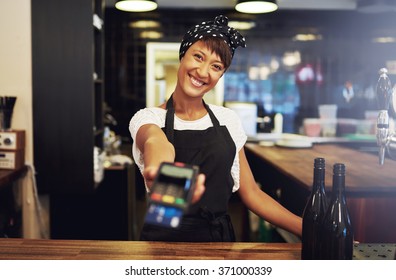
[(45, 249)]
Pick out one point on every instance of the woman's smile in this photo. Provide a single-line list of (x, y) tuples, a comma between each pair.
[(196, 82)]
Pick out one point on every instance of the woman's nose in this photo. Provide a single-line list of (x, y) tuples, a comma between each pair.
[(203, 70)]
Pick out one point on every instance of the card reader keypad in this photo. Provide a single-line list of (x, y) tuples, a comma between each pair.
[(168, 193)]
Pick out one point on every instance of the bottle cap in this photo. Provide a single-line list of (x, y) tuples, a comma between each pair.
[(339, 169), (319, 163)]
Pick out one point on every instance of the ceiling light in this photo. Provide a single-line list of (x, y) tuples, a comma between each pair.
[(151, 35), (384, 40), (307, 37), (291, 58), (136, 5), (144, 24), (241, 25), (256, 6)]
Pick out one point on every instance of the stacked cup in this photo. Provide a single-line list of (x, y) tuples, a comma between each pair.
[(328, 119)]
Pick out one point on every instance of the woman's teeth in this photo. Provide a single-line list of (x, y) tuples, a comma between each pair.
[(196, 82)]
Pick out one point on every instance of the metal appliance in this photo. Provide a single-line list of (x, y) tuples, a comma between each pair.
[(386, 96), (12, 149)]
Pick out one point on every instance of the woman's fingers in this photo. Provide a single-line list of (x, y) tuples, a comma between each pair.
[(199, 188)]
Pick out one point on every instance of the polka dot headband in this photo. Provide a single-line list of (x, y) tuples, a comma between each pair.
[(217, 28)]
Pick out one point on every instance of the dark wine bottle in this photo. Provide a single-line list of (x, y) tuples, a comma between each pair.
[(314, 212), (337, 231)]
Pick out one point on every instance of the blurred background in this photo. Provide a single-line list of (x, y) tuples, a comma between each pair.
[(304, 54)]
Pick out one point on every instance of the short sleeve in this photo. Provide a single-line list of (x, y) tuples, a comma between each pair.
[(146, 116), (154, 116), (239, 136)]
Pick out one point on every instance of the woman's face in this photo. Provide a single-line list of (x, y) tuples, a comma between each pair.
[(199, 71)]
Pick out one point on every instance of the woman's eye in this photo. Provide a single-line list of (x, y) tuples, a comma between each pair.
[(218, 67), (198, 56)]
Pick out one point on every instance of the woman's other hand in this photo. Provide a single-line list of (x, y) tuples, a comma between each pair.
[(199, 188)]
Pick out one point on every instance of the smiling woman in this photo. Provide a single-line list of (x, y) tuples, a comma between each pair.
[(187, 129)]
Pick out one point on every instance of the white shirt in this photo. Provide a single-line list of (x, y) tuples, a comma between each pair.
[(225, 116)]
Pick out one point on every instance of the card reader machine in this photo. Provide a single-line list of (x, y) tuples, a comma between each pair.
[(171, 194)]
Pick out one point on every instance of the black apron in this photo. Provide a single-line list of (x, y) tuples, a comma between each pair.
[(213, 150)]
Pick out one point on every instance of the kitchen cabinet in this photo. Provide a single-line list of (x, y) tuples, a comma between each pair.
[(68, 98), (68, 93), (108, 214), (10, 210)]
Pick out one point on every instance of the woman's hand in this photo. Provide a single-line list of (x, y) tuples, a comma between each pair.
[(199, 188), (150, 172)]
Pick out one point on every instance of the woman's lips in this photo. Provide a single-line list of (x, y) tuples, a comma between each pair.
[(196, 82)]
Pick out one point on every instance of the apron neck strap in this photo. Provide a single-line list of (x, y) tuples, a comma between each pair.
[(213, 118), (170, 118)]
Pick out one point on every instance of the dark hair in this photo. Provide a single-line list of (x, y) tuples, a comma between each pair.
[(219, 47), (219, 29)]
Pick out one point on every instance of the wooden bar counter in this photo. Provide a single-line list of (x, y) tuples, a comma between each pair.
[(287, 173), (43, 249)]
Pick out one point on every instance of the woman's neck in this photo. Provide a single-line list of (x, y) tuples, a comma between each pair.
[(189, 108)]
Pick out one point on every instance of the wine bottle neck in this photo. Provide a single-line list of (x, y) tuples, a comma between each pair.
[(319, 178), (339, 185)]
